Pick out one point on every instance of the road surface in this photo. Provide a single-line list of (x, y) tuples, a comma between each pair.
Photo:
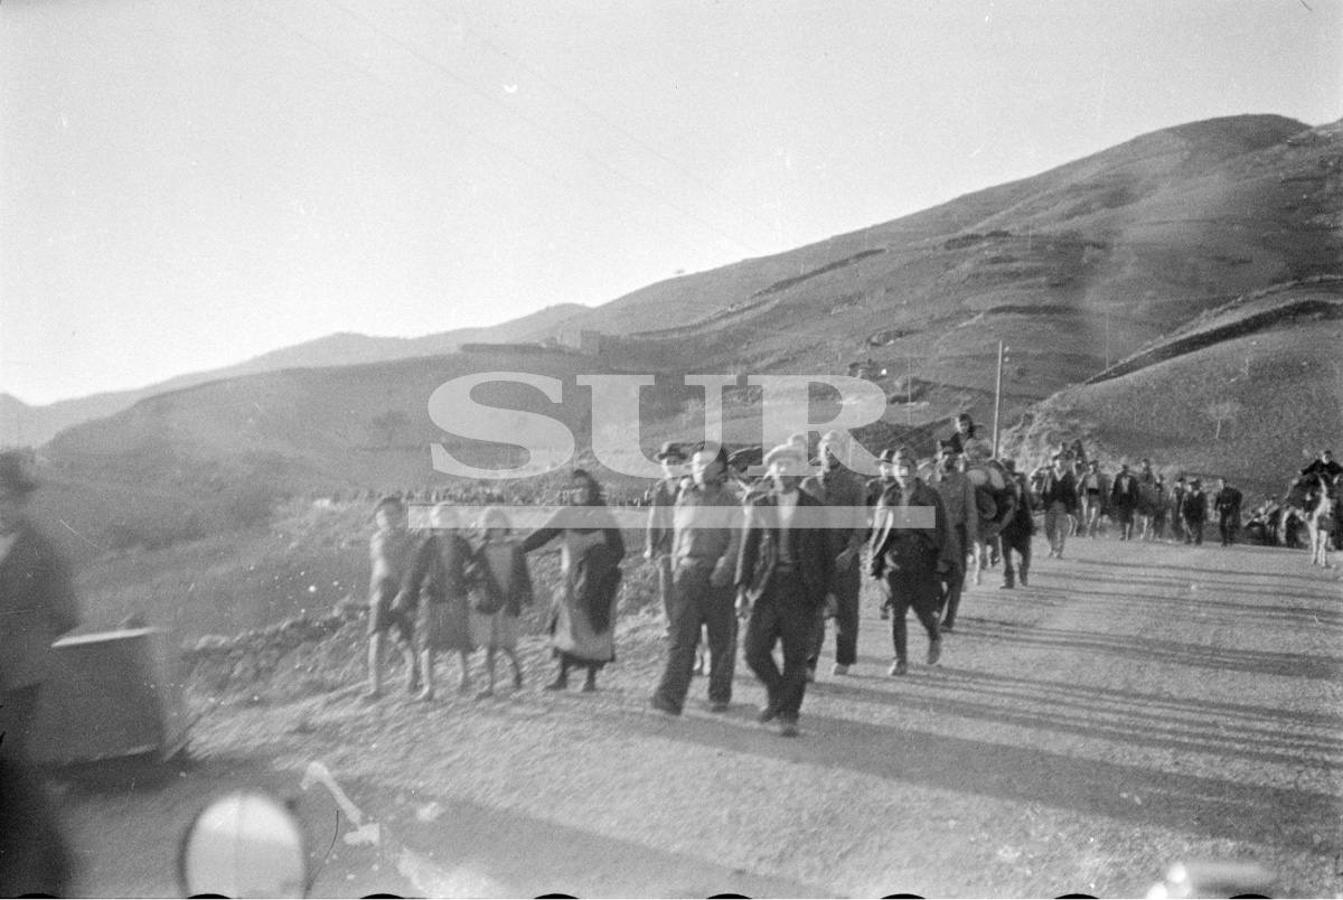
[(1138, 704)]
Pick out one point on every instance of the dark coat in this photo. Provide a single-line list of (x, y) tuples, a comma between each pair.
[(1055, 489), (895, 546), (759, 555), (37, 605)]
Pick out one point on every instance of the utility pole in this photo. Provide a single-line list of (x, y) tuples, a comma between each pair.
[(998, 397)]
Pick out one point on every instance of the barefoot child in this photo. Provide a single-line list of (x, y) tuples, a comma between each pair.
[(505, 588)]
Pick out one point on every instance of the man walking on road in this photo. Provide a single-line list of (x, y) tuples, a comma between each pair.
[(1092, 494), (1058, 494), (911, 553), (1016, 534), (958, 499), (1124, 501), (783, 573), (1227, 502), (658, 534), (1194, 512), (705, 543), (840, 488)]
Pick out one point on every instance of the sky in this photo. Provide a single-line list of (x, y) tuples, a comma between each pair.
[(185, 184)]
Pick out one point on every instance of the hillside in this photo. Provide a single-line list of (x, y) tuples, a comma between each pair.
[(35, 425)]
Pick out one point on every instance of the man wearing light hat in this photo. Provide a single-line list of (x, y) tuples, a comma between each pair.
[(911, 554), (840, 488), (783, 574)]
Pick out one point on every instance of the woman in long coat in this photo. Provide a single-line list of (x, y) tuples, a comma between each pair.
[(582, 623)]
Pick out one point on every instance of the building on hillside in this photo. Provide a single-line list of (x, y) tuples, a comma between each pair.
[(584, 340)]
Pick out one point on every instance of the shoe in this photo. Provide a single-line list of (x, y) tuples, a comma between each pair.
[(1006, 586), (663, 706), (899, 667), (719, 706), (768, 713), (885, 612), (934, 651), (559, 684), (1024, 583), (589, 686), (788, 728), (947, 627), (839, 669), (517, 681)]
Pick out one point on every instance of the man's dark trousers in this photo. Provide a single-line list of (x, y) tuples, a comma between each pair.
[(782, 613), (694, 602), (956, 579), (1228, 523), (1018, 540), (912, 588), (845, 586)]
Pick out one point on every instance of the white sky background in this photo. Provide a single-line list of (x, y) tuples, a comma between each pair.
[(187, 183)]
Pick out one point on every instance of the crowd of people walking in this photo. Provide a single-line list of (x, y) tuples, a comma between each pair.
[(783, 555)]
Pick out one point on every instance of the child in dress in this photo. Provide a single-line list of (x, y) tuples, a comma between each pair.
[(500, 569)]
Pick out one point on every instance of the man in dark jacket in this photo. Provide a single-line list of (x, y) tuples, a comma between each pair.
[(1124, 501), (1016, 534), (783, 573), (1058, 495), (658, 534), (910, 555), (840, 488), (1227, 503), (37, 605), (1194, 512)]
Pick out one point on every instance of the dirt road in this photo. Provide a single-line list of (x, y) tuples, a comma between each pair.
[(1137, 704)]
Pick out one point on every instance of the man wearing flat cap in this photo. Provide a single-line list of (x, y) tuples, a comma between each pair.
[(706, 535), (658, 535), (910, 556), (839, 488), (783, 574), (37, 605)]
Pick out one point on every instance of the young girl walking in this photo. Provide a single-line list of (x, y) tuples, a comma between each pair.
[(500, 570)]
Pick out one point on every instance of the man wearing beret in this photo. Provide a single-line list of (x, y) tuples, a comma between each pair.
[(910, 555), (783, 574), (839, 488)]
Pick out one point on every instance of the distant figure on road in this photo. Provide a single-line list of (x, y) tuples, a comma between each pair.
[(390, 551), (1194, 512), (1016, 534), (1124, 501), (1093, 491), (505, 588), (840, 487), (1227, 502), (783, 573), (958, 499), (1058, 495), (582, 623), (435, 591), (706, 538), (911, 559)]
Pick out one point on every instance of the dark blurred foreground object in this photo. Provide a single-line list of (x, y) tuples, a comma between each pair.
[(244, 844), (1215, 878), (113, 695), (34, 858)]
